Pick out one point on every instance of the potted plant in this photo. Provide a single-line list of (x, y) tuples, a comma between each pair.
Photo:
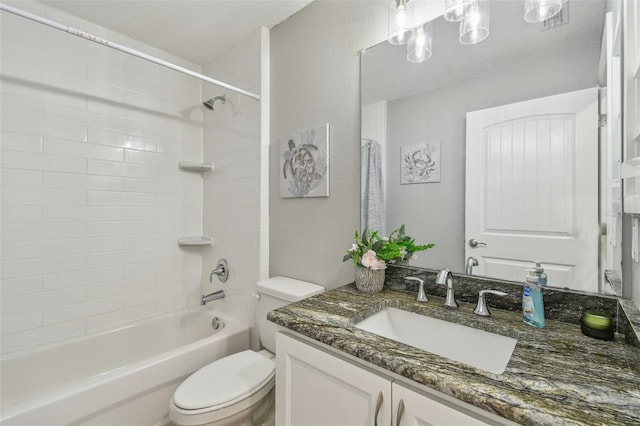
[(370, 254), (408, 246)]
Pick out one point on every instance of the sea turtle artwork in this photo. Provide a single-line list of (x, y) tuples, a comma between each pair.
[(304, 165)]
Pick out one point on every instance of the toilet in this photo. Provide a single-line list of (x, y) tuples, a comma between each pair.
[(238, 390)]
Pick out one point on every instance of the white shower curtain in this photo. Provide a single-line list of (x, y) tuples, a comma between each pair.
[(372, 212)]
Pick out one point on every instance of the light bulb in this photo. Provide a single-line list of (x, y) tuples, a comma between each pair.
[(540, 10), (401, 17), (475, 26), (419, 47)]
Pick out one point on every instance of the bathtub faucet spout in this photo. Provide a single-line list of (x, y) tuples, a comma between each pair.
[(211, 297)]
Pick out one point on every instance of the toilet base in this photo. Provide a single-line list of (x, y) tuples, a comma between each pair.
[(261, 413)]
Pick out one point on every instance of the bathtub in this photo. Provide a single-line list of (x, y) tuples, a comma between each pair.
[(124, 376)]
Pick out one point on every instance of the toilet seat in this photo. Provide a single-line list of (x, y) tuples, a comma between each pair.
[(224, 387)]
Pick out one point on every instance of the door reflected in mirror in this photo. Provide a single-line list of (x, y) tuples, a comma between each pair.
[(530, 185)]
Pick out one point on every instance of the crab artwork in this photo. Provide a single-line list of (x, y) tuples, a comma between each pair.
[(420, 163), (303, 165)]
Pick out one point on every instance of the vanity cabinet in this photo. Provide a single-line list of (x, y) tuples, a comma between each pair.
[(317, 388)]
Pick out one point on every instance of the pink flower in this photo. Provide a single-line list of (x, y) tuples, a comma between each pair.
[(369, 260)]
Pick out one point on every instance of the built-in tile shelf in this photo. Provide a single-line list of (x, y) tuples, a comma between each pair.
[(199, 240), (188, 166)]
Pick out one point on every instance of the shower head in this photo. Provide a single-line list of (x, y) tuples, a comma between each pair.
[(210, 102)]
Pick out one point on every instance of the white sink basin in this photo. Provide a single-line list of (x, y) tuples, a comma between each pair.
[(477, 348)]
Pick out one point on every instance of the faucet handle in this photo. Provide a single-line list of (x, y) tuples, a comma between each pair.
[(422, 297), (481, 308)]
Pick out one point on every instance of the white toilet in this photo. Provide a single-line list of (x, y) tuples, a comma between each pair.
[(238, 390)]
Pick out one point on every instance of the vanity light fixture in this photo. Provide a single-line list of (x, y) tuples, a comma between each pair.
[(541, 10), (419, 48), (456, 10), (400, 21), (474, 27)]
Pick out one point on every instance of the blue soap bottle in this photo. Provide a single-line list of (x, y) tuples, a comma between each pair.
[(532, 302)]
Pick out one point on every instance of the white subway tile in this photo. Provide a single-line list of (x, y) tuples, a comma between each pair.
[(82, 278), (101, 213), (65, 296), (41, 161), (98, 244), (105, 183), (21, 249), (65, 180), (113, 319), (62, 247), (20, 214), (64, 213), (143, 185), (105, 198), (82, 149), (120, 287), (81, 310), (43, 231), (105, 168), (20, 322), (42, 335), (22, 285), (171, 304), (140, 157), (14, 305), (140, 199), (21, 178), (140, 269), (95, 260), (140, 171), (20, 142), (106, 229), (122, 140)]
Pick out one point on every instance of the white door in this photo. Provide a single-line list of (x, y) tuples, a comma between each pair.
[(532, 189), (314, 388)]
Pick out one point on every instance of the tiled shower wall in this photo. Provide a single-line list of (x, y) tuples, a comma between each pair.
[(236, 193), (92, 199)]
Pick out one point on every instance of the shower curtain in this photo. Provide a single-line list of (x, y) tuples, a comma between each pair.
[(372, 211)]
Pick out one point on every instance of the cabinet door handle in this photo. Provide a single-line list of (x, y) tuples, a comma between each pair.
[(400, 412), (378, 407)]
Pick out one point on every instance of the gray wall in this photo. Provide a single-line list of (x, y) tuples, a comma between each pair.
[(315, 80), (434, 212)]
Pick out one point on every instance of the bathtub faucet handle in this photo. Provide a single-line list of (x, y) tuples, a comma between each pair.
[(221, 270)]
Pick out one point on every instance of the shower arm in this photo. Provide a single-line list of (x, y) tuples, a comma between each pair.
[(121, 48)]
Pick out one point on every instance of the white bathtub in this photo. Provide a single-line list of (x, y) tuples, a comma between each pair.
[(120, 377)]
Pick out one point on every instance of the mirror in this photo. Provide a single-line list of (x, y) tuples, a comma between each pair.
[(421, 110)]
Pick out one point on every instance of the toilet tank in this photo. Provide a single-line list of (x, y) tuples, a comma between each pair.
[(274, 293)]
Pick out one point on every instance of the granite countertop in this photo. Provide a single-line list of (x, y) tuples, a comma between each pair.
[(555, 374)]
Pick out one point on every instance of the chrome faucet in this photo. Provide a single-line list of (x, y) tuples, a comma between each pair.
[(446, 278), (422, 296), (211, 297), (481, 307), (471, 262), (221, 270)]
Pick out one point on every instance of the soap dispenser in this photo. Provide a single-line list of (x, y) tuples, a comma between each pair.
[(542, 276), (532, 302)]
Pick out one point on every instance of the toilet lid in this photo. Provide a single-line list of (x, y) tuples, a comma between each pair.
[(224, 380)]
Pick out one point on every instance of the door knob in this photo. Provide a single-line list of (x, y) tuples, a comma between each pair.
[(473, 243)]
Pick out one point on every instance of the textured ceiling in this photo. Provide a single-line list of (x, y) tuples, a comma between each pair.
[(196, 30)]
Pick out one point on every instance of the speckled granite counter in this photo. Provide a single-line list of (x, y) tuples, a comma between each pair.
[(555, 376)]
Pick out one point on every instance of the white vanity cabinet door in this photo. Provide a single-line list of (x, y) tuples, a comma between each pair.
[(411, 408), (314, 388)]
